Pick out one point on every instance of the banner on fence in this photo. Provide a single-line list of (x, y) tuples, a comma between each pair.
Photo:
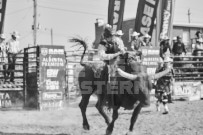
[(191, 90), (115, 13), (146, 14), (150, 58), (52, 68), (52, 76)]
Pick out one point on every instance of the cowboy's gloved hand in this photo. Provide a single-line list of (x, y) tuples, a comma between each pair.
[(122, 51)]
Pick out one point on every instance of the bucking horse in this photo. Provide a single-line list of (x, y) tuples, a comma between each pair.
[(126, 85)]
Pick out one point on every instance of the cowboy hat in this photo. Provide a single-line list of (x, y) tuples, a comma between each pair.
[(135, 34), (147, 36), (166, 38), (108, 26), (2, 36), (119, 33), (200, 40), (168, 59), (15, 34), (174, 38)]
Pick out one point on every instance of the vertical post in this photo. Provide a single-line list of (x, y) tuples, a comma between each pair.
[(189, 13), (25, 68), (51, 36), (158, 23), (172, 19), (35, 23)]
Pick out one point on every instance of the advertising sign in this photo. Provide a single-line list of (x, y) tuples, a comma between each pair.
[(146, 14), (191, 90), (115, 13), (151, 58), (52, 68), (166, 17), (52, 77)]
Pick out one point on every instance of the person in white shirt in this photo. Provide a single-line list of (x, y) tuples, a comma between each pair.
[(119, 40), (3, 53), (13, 50)]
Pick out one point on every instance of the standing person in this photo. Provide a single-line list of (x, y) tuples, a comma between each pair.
[(136, 44), (118, 40), (164, 46), (146, 40), (164, 86), (4, 54), (198, 47), (199, 44), (174, 40), (13, 50), (178, 49)]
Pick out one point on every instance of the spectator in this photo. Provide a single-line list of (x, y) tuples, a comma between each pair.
[(146, 40), (3, 53), (118, 39), (164, 46), (199, 42), (198, 47), (174, 40), (136, 44), (179, 47), (13, 50)]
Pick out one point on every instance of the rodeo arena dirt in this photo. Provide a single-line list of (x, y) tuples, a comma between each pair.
[(127, 83)]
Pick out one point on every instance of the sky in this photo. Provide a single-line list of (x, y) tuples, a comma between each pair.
[(69, 18)]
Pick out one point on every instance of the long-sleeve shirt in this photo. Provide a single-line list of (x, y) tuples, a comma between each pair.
[(178, 48), (13, 46), (119, 42), (136, 44)]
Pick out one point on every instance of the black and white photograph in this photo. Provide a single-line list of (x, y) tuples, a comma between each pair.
[(101, 67)]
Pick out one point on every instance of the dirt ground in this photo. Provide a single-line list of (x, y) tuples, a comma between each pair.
[(185, 118)]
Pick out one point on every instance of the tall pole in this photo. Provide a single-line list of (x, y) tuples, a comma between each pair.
[(51, 36), (189, 13), (35, 23)]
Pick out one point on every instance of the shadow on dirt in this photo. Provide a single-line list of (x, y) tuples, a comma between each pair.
[(1, 133)]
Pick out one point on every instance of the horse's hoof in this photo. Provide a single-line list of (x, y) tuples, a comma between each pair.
[(108, 132), (166, 112), (86, 127), (129, 133)]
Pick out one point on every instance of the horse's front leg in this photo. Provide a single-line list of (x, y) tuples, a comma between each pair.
[(134, 118), (83, 107), (109, 129), (100, 107)]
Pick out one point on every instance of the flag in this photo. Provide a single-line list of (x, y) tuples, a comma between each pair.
[(167, 7), (115, 13), (2, 14), (146, 14)]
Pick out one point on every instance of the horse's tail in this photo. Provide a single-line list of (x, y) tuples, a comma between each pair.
[(80, 41)]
